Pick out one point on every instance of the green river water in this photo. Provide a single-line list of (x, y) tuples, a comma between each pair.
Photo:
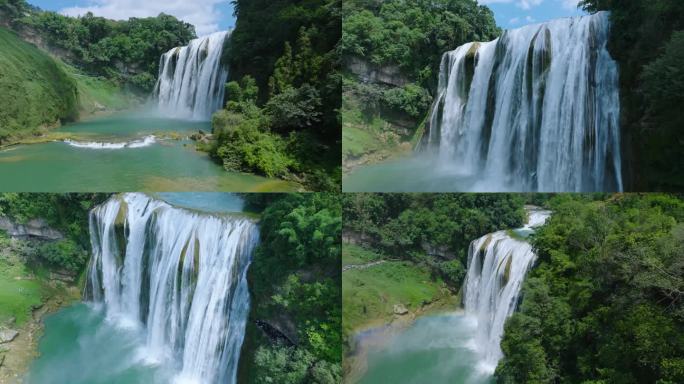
[(165, 165), (418, 173), (81, 347), (435, 349)]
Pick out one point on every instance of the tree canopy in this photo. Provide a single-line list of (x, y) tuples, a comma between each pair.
[(605, 302)]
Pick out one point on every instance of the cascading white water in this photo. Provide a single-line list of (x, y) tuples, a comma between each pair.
[(139, 143), (177, 275), (537, 109), (497, 265), (191, 78)]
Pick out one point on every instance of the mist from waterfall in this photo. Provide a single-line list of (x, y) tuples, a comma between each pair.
[(497, 265), (191, 80), (177, 276), (537, 109)]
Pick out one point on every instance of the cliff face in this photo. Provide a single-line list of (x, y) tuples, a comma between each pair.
[(370, 73), (35, 228)]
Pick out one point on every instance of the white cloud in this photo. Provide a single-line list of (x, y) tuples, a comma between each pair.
[(527, 4), (514, 21), (200, 13), (570, 4), (530, 19)]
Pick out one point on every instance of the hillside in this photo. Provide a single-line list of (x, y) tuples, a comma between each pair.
[(38, 91), (35, 91)]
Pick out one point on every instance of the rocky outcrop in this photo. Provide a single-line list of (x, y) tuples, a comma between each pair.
[(35, 228), (356, 238), (274, 334), (370, 73), (441, 251), (8, 335), (202, 137)]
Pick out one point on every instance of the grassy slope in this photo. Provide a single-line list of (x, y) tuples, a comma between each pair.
[(21, 288), (368, 135), (34, 90), (39, 91), (369, 295), (97, 94)]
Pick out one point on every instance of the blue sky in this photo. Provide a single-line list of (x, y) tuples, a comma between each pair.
[(516, 13), (206, 15), (214, 15)]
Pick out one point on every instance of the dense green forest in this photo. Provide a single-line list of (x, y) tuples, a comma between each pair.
[(604, 303), (647, 39), (295, 283), (405, 41), (125, 51), (282, 118)]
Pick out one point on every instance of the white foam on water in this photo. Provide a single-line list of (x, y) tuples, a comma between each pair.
[(141, 143)]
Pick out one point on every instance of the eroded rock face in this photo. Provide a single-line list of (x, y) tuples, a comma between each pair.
[(441, 251), (369, 73), (7, 335), (36, 228)]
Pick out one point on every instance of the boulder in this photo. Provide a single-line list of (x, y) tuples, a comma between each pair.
[(400, 309), (7, 335)]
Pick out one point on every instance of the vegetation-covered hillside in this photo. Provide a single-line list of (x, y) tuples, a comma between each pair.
[(34, 90), (125, 51), (647, 39), (604, 304), (430, 229), (39, 273), (282, 113), (293, 330), (391, 52)]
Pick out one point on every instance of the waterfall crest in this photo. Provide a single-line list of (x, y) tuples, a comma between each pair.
[(177, 275), (537, 109), (192, 79), (497, 265)]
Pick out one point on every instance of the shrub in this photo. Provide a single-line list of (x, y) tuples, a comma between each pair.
[(64, 254)]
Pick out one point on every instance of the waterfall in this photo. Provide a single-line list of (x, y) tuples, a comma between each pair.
[(192, 78), (537, 109), (497, 265), (179, 276)]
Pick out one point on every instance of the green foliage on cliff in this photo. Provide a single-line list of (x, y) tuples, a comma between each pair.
[(646, 39), (419, 227), (604, 304), (289, 125), (67, 213), (34, 90), (295, 284), (413, 34), (127, 51)]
